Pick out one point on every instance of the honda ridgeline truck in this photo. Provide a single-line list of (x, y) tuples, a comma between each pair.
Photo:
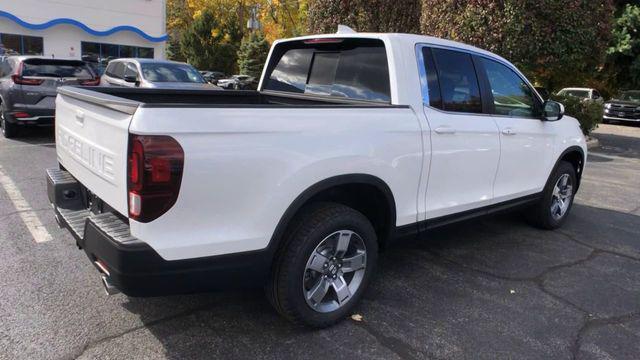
[(352, 140)]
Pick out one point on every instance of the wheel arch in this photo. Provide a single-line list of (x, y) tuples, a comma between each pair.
[(328, 189), (576, 156)]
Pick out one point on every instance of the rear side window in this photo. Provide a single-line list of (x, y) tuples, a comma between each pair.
[(456, 87), (115, 69), (346, 68), (56, 68)]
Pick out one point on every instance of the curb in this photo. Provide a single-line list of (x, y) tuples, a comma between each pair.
[(592, 142)]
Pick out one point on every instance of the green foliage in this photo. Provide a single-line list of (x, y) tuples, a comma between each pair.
[(364, 15), (623, 61), (252, 54), (589, 113), (209, 45), (556, 43)]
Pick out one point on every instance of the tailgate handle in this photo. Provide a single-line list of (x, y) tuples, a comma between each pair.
[(80, 117)]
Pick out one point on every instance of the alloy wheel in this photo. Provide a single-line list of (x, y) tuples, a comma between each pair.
[(334, 271), (561, 197)]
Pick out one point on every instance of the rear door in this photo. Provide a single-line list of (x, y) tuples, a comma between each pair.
[(92, 140), (465, 144), (526, 140)]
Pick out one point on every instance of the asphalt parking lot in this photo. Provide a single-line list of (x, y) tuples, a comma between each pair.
[(491, 288)]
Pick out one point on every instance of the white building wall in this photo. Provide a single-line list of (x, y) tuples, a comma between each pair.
[(63, 41)]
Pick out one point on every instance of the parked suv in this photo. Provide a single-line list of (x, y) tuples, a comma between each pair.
[(623, 107), (28, 89), (350, 142), (149, 73)]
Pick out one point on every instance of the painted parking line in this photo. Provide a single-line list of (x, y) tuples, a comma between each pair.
[(28, 216)]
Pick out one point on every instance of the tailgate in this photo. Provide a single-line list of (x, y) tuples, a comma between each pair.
[(92, 134)]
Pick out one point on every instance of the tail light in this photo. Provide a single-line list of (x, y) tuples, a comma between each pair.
[(92, 82), (22, 81), (155, 174), (18, 79)]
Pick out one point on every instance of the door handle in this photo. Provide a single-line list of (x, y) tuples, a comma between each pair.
[(508, 131), (445, 130), (80, 117)]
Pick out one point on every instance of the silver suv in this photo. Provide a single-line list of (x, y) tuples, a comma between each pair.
[(149, 73), (28, 87)]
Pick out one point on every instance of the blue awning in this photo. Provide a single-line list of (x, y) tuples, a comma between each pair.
[(82, 26)]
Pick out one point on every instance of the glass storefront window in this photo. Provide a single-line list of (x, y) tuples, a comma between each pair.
[(13, 44), (98, 55), (145, 53)]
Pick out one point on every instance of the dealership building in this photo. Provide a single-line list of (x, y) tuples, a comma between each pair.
[(92, 30)]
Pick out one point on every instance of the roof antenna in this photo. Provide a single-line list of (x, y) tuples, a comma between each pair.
[(344, 29)]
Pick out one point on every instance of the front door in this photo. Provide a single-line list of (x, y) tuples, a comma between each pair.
[(526, 140)]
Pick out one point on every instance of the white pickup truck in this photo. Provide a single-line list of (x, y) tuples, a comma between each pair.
[(351, 140)]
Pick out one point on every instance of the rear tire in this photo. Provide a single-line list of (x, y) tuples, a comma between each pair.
[(557, 198), (323, 266), (9, 130)]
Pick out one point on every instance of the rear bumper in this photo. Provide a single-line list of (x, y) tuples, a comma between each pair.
[(39, 117), (131, 265)]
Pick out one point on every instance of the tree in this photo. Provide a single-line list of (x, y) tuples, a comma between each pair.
[(623, 60), (364, 15), (253, 54), (209, 44), (556, 43)]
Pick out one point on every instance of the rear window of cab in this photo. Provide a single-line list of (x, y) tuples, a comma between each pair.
[(344, 68)]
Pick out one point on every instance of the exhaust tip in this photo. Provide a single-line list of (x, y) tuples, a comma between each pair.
[(109, 288)]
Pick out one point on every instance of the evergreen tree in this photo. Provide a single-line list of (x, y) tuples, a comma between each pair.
[(252, 54)]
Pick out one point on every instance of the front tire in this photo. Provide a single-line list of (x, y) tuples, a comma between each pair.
[(557, 198), (324, 265)]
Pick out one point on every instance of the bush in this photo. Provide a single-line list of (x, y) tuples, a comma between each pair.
[(364, 15), (589, 113)]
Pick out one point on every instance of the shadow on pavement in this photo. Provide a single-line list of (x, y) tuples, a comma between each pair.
[(35, 136), (618, 145), (476, 289)]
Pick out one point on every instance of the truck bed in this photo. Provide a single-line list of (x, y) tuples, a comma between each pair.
[(129, 99)]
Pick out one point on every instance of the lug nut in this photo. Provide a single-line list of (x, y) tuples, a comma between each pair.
[(335, 276), (325, 265)]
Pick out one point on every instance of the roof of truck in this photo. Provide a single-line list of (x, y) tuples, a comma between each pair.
[(408, 39)]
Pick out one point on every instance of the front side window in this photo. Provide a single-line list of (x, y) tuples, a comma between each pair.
[(346, 68), (130, 70), (458, 84), (511, 95)]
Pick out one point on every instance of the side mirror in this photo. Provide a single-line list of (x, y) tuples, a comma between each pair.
[(131, 78), (553, 111)]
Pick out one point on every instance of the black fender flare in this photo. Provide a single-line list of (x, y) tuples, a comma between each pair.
[(571, 149), (325, 184)]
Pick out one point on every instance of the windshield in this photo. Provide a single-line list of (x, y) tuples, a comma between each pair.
[(57, 69), (164, 72), (629, 96)]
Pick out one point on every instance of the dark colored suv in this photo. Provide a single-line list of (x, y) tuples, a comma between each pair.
[(28, 89)]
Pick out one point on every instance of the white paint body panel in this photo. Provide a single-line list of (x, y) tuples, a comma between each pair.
[(245, 166), (92, 143)]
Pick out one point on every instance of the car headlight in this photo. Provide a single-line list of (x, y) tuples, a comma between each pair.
[(607, 106)]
